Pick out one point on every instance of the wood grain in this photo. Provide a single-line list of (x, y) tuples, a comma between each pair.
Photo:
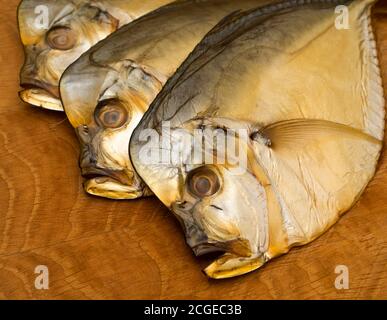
[(101, 249)]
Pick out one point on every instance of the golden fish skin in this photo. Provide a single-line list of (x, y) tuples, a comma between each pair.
[(309, 97), (107, 91), (72, 27)]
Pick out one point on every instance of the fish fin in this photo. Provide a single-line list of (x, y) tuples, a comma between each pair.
[(229, 266), (299, 132)]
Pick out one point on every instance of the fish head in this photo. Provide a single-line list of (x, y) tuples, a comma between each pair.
[(54, 34), (104, 103), (216, 211), (217, 198)]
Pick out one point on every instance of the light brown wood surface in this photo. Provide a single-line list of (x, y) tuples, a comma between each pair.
[(102, 249)]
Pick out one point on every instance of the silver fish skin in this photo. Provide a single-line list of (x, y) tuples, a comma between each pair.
[(106, 92), (307, 93), (55, 33)]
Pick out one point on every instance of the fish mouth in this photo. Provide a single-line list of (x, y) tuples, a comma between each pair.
[(41, 95), (200, 243), (238, 247), (236, 259), (205, 248), (110, 184)]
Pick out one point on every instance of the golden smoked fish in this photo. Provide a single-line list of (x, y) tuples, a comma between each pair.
[(107, 91), (296, 89), (55, 33)]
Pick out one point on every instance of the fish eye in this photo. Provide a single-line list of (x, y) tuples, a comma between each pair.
[(111, 114), (61, 38), (203, 182)]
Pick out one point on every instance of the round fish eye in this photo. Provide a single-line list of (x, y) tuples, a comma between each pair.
[(61, 38), (203, 182), (111, 114)]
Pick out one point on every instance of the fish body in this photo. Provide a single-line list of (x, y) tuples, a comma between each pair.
[(300, 97), (55, 33), (107, 91)]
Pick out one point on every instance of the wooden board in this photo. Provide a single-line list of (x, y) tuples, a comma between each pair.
[(101, 249)]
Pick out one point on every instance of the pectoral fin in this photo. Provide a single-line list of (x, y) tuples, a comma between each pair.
[(300, 132), (229, 266)]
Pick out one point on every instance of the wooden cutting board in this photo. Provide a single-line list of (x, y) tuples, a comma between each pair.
[(101, 249)]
